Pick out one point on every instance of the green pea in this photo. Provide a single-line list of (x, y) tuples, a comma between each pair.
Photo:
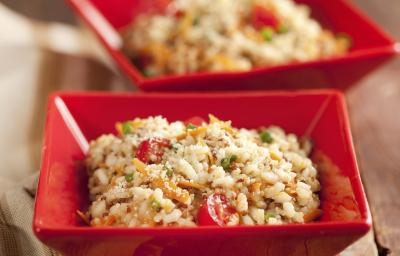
[(267, 33), (266, 137), (282, 29), (126, 128), (129, 177), (227, 162), (191, 126), (155, 205)]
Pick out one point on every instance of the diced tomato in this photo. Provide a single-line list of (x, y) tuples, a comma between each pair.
[(157, 6), (215, 211), (142, 61), (196, 120), (179, 13), (152, 150), (264, 18)]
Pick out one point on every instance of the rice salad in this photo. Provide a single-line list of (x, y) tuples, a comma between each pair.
[(156, 173), (227, 35)]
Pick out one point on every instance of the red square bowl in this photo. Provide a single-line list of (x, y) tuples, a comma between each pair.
[(73, 119), (371, 48)]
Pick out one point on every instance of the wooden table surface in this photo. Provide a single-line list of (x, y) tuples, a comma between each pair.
[(374, 105)]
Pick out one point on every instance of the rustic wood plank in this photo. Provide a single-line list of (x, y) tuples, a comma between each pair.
[(376, 124), (45, 10), (375, 119)]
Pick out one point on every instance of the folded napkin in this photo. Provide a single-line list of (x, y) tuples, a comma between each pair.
[(37, 58), (16, 210)]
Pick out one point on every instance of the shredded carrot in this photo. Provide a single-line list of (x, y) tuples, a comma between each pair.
[(275, 156), (159, 52), (171, 190), (119, 171), (255, 187), (229, 129), (312, 215), (225, 61), (181, 136), (136, 123), (140, 166), (224, 125), (198, 131), (213, 119), (190, 184), (185, 24), (110, 220), (83, 217), (118, 127), (291, 192), (211, 159)]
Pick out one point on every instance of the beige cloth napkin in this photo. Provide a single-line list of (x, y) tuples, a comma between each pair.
[(37, 59), (16, 207)]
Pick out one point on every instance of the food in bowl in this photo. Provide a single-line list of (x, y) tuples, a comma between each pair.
[(157, 173), (207, 35)]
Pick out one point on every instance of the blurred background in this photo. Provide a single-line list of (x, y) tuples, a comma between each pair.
[(44, 48)]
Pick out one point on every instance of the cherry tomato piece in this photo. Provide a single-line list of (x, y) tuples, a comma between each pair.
[(215, 211), (152, 150), (264, 18), (196, 120)]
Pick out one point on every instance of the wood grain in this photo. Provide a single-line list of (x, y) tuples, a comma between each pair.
[(374, 111), (45, 10)]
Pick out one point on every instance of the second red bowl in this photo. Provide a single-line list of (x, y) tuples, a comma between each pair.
[(371, 48)]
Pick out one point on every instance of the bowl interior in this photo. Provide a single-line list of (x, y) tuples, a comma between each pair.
[(75, 119)]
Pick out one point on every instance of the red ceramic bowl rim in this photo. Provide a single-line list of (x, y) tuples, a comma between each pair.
[(389, 49), (324, 227)]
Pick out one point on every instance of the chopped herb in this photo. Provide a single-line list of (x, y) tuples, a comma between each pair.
[(169, 170), (148, 73), (269, 215), (266, 137), (175, 146), (282, 29), (129, 177), (227, 162), (267, 33), (196, 21), (126, 127), (191, 126), (155, 205)]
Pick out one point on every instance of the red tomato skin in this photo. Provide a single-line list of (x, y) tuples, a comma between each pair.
[(263, 18), (204, 218), (196, 120), (152, 147), (215, 211)]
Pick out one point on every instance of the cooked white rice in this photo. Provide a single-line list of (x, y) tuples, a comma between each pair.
[(218, 35), (268, 182)]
